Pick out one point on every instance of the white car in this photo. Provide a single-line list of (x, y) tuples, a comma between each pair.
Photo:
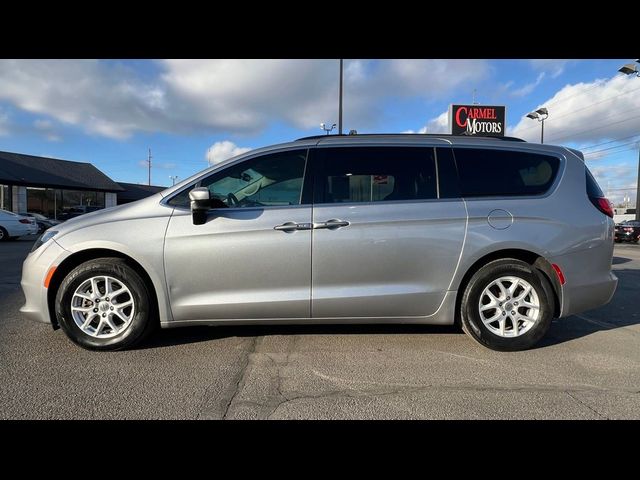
[(14, 226)]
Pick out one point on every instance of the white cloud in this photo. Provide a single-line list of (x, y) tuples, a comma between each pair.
[(47, 129), (439, 124), (104, 99), (587, 112), (223, 150), (245, 94), (615, 181), (4, 123), (529, 87), (241, 96), (607, 172), (553, 67), (42, 124)]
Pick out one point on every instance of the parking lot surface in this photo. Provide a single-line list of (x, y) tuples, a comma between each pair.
[(587, 367)]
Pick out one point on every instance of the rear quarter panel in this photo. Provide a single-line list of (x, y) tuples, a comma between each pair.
[(561, 226)]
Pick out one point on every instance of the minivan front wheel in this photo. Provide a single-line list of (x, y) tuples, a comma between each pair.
[(507, 305), (103, 304)]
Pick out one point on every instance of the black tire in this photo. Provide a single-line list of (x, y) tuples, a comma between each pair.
[(470, 315), (4, 235), (144, 319)]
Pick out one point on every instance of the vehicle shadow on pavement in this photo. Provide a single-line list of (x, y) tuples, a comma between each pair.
[(622, 311), (184, 335), (619, 260)]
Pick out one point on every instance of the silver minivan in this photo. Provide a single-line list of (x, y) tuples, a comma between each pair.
[(495, 234)]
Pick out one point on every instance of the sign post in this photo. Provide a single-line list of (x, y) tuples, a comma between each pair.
[(478, 120)]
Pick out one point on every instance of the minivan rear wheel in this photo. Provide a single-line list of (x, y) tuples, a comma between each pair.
[(104, 304), (507, 305)]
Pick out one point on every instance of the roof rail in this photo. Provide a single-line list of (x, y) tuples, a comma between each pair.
[(433, 135)]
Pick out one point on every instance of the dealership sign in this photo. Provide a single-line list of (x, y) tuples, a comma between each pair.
[(481, 120)]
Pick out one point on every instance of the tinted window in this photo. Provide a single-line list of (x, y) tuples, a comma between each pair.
[(485, 172), (593, 189), (447, 175), (269, 180), (376, 174)]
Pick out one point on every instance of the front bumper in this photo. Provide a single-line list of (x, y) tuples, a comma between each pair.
[(626, 236), (34, 271)]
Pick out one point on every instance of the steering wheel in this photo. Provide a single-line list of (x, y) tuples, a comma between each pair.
[(232, 200)]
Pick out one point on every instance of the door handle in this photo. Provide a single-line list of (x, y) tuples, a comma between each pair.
[(332, 224), (292, 226)]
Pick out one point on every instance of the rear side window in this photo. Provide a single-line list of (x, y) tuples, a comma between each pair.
[(486, 172), (375, 174), (593, 189)]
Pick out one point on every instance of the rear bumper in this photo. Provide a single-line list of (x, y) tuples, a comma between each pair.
[(20, 229), (590, 283), (588, 296)]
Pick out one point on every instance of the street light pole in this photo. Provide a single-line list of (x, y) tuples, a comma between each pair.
[(638, 189), (340, 103), (149, 165), (541, 115), (632, 69)]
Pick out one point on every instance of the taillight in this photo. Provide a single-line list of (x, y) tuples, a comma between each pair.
[(24, 220), (628, 229), (603, 205)]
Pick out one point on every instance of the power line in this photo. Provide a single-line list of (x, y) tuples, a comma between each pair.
[(597, 84), (587, 107), (618, 189), (610, 115), (611, 148), (610, 141), (593, 129), (596, 103)]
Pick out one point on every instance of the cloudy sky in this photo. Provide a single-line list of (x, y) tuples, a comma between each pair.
[(191, 112)]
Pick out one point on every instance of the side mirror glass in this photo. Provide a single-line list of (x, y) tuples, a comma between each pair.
[(200, 203)]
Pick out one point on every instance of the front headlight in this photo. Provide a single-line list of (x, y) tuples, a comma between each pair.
[(44, 238)]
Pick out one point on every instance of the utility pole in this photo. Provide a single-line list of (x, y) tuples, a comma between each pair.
[(638, 189), (340, 103), (173, 179), (632, 69), (149, 165)]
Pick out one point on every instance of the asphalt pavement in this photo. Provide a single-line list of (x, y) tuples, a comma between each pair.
[(587, 367)]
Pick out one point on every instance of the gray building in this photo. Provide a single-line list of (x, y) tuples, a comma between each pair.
[(133, 191), (51, 186)]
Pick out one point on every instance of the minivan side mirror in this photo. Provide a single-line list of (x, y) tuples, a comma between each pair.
[(200, 203)]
